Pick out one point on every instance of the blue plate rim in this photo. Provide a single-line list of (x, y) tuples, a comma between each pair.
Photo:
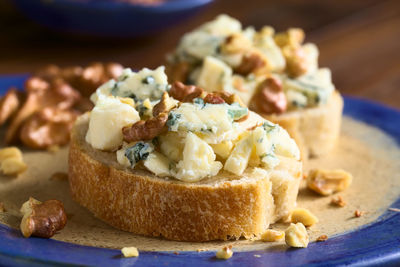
[(372, 244)]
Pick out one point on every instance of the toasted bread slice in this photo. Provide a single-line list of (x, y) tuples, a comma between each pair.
[(315, 130), (221, 207)]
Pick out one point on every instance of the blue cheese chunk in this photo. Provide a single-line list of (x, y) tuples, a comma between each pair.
[(213, 123), (316, 87), (214, 75), (105, 128), (198, 160)]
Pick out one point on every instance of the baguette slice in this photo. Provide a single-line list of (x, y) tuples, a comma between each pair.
[(217, 208), (315, 130)]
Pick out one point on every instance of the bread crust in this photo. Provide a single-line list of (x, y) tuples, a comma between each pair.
[(315, 130), (139, 202)]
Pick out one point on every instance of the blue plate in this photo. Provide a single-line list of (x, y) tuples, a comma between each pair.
[(107, 18), (375, 244)]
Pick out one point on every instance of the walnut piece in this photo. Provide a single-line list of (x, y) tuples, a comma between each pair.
[(224, 253), (213, 98), (303, 216), (251, 63), (272, 235), (165, 105), (269, 97), (11, 162), (42, 219), (296, 236), (2, 208), (145, 130), (338, 201), (185, 93), (296, 61), (358, 213), (293, 37), (322, 238), (327, 182), (47, 128), (130, 252), (9, 103)]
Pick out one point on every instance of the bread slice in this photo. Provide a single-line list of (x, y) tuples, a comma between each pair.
[(221, 207), (315, 130)]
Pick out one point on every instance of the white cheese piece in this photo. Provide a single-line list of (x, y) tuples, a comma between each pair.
[(222, 25), (273, 53), (107, 119), (121, 158), (144, 84), (212, 122), (171, 145), (103, 91), (196, 45), (158, 164), (223, 149), (311, 56), (316, 86), (214, 74), (198, 160), (239, 158)]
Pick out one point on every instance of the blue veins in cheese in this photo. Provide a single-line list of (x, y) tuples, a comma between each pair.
[(105, 128), (142, 85), (309, 90), (213, 122)]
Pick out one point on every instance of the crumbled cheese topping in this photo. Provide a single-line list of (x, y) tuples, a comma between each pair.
[(200, 139), (212, 60)]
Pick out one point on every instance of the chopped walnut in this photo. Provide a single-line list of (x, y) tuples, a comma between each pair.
[(224, 253), (49, 127), (358, 213), (11, 161), (165, 105), (42, 219), (251, 63), (130, 252), (269, 97), (303, 216), (185, 93), (296, 236), (145, 130), (338, 201), (293, 37), (235, 44), (214, 98), (9, 103), (271, 235), (322, 238), (296, 61), (327, 182)]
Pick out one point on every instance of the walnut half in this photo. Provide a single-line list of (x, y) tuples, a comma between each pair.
[(145, 130), (327, 182), (269, 97), (42, 219)]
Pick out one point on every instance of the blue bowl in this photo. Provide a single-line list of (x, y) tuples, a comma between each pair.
[(107, 18)]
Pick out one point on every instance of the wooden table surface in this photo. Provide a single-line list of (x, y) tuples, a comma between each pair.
[(359, 40)]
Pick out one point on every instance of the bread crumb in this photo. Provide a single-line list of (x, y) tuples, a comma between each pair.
[(322, 238), (59, 176), (338, 201), (130, 252), (358, 213), (2, 208), (224, 253), (202, 249), (394, 209), (257, 256), (176, 252)]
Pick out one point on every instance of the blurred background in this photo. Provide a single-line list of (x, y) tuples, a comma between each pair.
[(359, 39)]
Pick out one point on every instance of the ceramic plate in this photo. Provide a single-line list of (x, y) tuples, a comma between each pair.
[(377, 243)]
